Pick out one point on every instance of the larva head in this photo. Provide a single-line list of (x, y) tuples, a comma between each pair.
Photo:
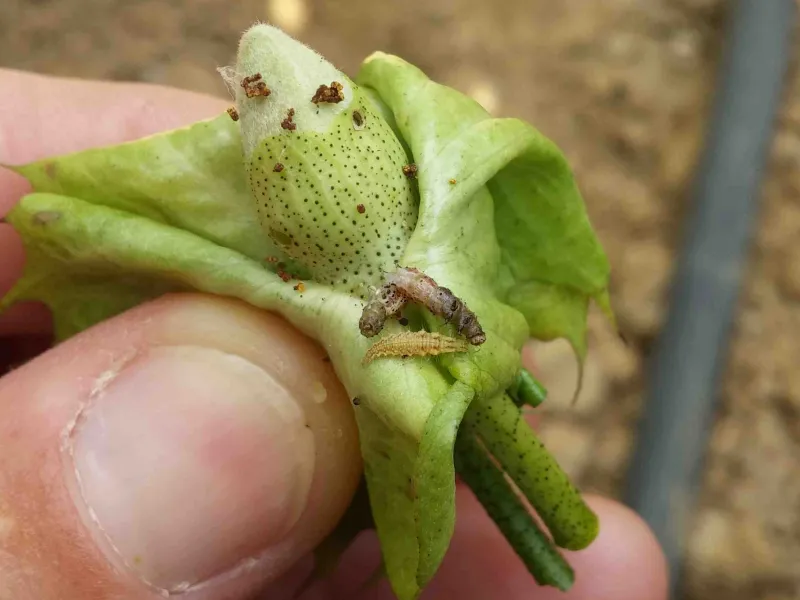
[(327, 176)]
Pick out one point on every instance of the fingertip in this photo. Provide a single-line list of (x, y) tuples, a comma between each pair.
[(13, 256), (88, 114), (625, 561), (14, 187), (35, 123)]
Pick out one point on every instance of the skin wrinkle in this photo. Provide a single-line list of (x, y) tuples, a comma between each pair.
[(74, 482)]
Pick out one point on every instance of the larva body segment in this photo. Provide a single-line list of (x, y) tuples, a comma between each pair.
[(385, 302), (373, 317), (414, 343)]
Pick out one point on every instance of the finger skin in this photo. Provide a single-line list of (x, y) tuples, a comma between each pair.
[(624, 563), (43, 116), (46, 550)]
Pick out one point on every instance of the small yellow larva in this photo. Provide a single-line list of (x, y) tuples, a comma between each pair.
[(414, 343)]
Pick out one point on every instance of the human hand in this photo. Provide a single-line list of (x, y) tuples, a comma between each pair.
[(188, 442)]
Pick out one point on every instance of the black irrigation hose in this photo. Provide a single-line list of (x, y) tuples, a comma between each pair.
[(690, 356)]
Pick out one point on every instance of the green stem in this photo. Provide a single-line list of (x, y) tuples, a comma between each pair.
[(506, 509), (522, 455), (526, 389)]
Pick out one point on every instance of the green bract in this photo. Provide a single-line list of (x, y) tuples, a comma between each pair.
[(493, 214)]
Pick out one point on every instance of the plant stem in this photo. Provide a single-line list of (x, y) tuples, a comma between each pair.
[(506, 509), (522, 455), (526, 389)]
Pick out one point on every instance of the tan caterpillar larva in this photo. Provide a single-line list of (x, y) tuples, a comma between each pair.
[(414, 343), (409, 284)]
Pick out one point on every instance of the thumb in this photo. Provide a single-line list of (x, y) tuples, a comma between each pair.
[(192, 443)]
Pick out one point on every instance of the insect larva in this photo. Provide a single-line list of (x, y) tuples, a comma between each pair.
[(412, 284), (414, 343), (439, 300)]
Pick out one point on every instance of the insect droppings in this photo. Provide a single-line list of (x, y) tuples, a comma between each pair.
[(278, 167), (233, 113), (414, 343), (331, 95), (410, 170), (254, 86), (288, 123)]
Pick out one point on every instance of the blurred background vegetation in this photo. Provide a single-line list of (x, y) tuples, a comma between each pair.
[(624, 87)]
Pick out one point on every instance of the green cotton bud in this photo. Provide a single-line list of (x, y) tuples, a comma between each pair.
[(324, 166)]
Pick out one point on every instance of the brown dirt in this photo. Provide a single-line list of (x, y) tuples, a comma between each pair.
[(624, 88)]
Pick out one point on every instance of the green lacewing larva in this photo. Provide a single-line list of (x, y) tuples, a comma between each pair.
[(414, 343)]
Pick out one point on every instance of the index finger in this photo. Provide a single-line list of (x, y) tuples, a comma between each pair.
[(44, 116)]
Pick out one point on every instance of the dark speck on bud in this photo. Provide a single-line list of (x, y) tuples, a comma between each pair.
[(358, 120)]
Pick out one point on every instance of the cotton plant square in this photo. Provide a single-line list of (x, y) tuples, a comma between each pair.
[(418, 240)]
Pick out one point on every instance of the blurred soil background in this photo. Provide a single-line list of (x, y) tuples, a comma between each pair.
[(624, 87)]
